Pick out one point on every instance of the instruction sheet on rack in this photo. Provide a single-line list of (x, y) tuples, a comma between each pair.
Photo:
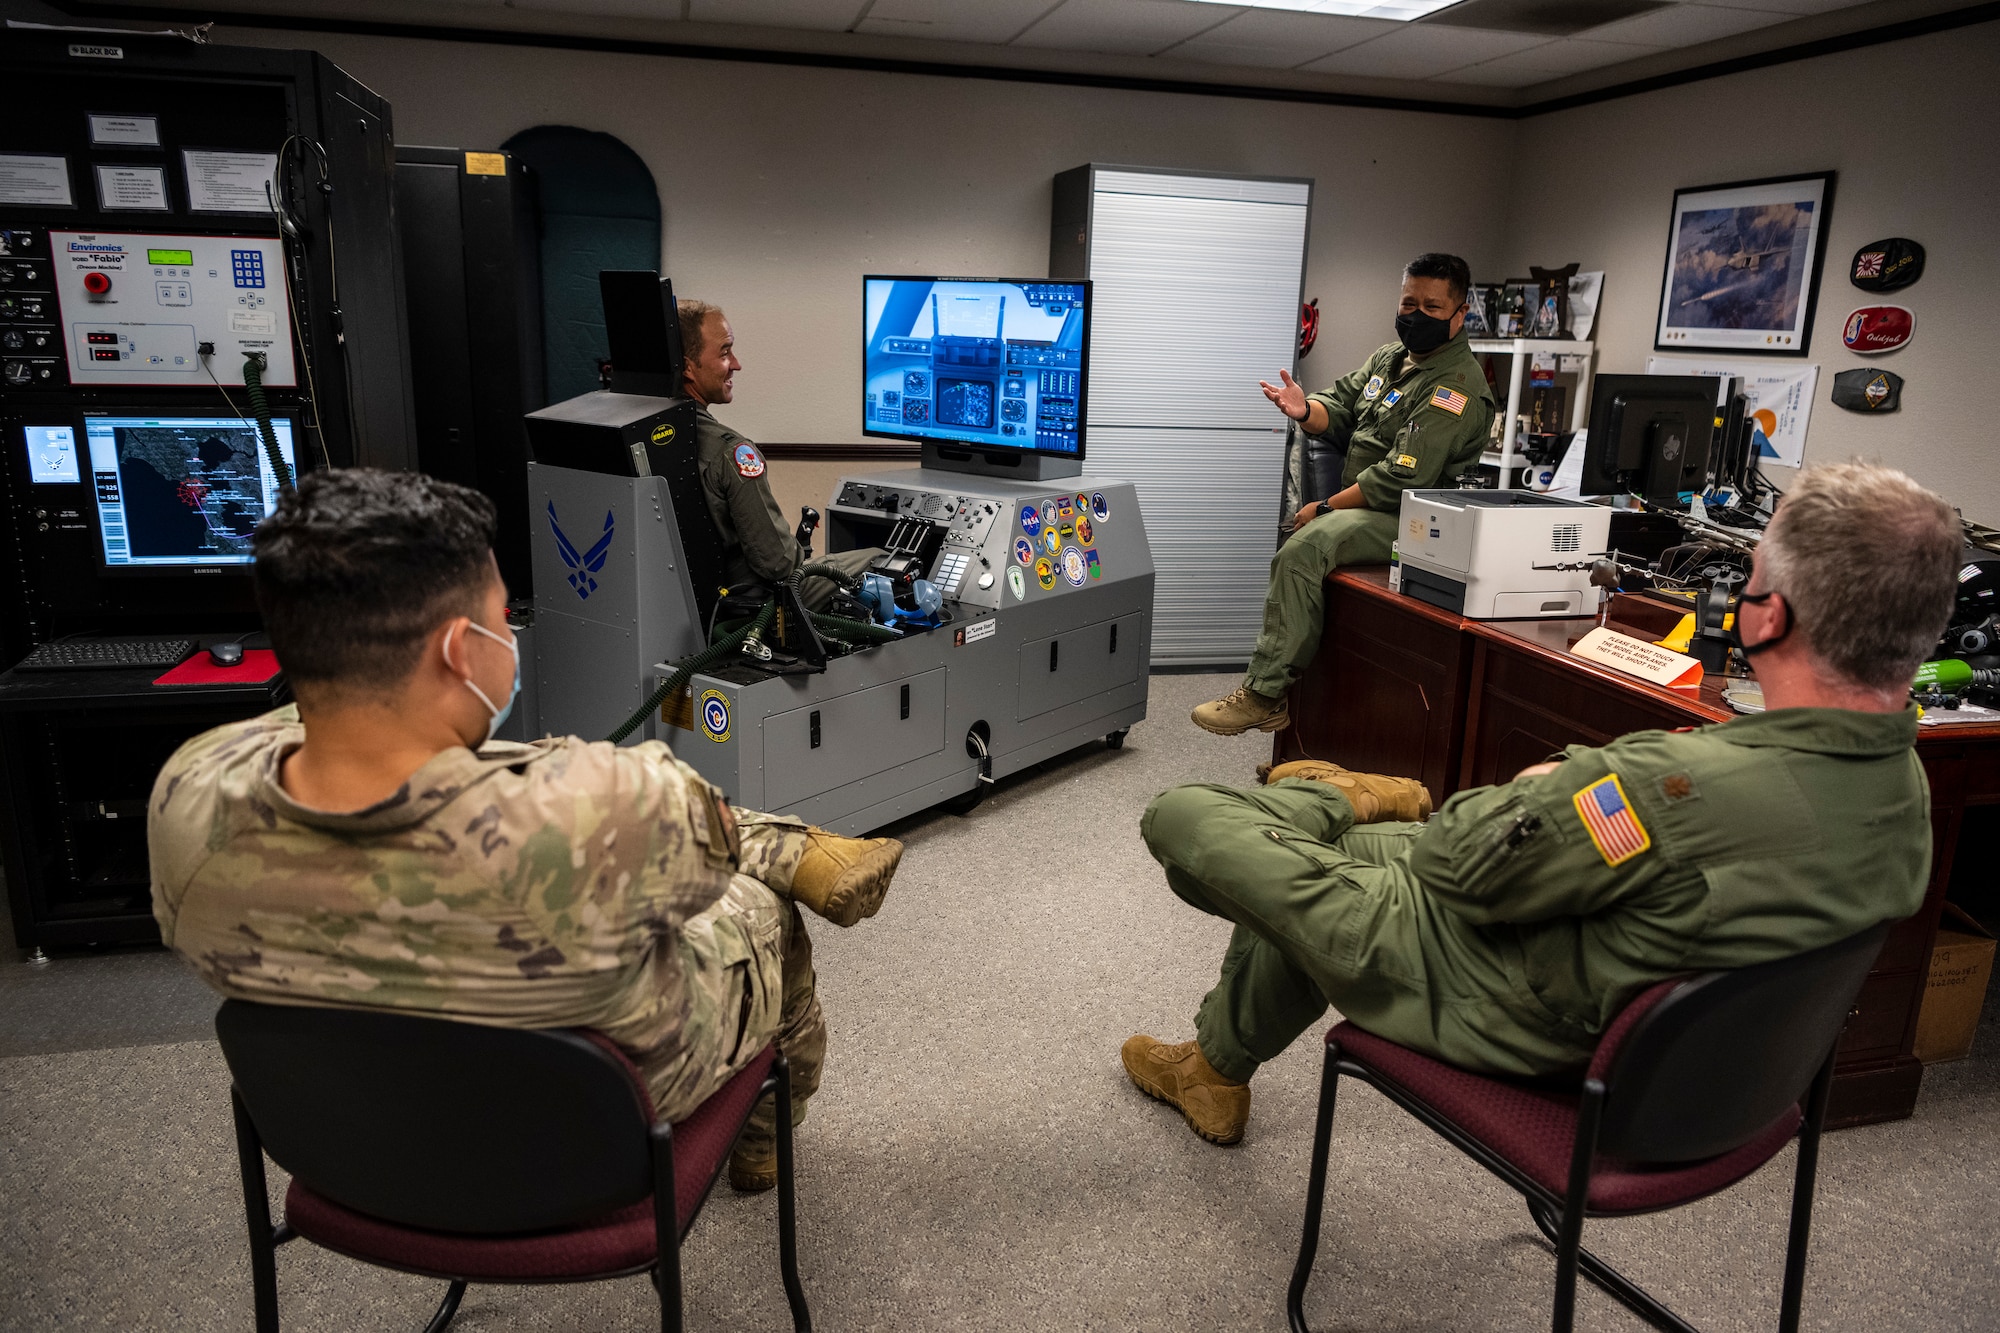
[(1780, 401)]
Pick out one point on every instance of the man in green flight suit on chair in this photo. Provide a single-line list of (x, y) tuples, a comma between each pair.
[(757, 546), (1505, 934), (1415, 415)]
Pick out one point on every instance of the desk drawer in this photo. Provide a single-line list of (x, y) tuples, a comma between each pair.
[(1881, 1014)]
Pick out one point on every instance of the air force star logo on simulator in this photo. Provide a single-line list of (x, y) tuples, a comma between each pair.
[(581, 566)]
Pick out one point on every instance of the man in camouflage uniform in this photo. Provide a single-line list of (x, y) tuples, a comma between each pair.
[(372, 847), (1416, 415), (1507, 933), (757, 546)]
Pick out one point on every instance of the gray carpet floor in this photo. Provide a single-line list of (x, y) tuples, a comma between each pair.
[(976, 1158)]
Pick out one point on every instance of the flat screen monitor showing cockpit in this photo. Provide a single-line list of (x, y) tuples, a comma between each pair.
[(980, 362), (178, 492)]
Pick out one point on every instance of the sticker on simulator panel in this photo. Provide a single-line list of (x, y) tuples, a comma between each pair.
[(1069, 530), (1048, 513), (1065, 508), (1051, 541), (984, 629), (715, 716), (1074, 568), (1083, 532), (1100, 508), (1045, 573), (1024, 550), (1031, 520), (1017, 583), (1082, 502), (1096, 568)]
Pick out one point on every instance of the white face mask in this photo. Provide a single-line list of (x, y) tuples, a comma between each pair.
[(495, 716)]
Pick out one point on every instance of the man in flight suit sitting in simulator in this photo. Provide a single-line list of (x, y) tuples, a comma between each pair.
[(1506, 934), (757, 546), (372, 847), (1415, 415)]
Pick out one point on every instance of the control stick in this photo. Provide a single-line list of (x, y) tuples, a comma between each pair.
[(808, 524)]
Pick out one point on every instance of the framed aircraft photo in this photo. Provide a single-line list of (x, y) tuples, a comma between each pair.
[(1743, 264)]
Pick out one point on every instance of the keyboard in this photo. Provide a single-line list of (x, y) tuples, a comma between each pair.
[(106, 654)]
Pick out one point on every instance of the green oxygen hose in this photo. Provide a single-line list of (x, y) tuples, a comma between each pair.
[(253, 387), (684, 671), (854, 631)]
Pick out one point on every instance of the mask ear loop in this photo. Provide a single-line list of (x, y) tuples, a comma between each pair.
[(466, 681)]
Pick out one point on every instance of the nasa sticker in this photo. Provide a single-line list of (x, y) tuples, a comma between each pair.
[(1100, 509), (715, 716), (1017, 583), (1074, 568), (1024, 550), (1045, 574), (1031, 520), (749, 462), (1878, 328)]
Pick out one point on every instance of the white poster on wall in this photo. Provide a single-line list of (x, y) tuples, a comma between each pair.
[(1780, 401)]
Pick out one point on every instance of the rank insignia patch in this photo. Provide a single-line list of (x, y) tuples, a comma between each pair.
[(1609, 819), (1451, 400), (1374, 387)]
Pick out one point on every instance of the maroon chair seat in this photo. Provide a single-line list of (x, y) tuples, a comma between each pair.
[(1535, 1129), (1694, 1086), (619, 1243)]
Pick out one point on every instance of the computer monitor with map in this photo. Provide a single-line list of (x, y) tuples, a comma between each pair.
[(180, 494)]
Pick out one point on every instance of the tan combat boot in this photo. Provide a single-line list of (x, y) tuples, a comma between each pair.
[(843, 879), (1181, 1077), (1234, 714), (752, 1170), (1375, 798)]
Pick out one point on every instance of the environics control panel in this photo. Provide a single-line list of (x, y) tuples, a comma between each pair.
[(139, 308)]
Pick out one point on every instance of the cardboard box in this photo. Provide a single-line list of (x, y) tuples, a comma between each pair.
[(1961, 965)]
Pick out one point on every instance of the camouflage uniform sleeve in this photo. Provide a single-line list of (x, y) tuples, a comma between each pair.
[(692, 846), (1520, 851), (1340, 399), (768, 544), (1433, 438), (185, 820)]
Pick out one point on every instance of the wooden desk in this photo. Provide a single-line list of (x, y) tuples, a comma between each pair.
[(1401, 687)]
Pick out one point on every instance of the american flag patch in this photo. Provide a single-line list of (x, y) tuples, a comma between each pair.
[(1607, 816), (1451, 400)]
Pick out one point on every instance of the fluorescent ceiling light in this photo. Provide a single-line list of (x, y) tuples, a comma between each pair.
[(1400, 11)]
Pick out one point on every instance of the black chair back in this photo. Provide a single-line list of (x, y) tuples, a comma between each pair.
[(442, 1125), (1716, 1061)]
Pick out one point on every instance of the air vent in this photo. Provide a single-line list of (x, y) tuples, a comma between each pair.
[(1566, 537), (1550, 18)]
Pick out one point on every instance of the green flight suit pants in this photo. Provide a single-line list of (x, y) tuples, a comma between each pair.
[(1295, 605), (1321, 906)]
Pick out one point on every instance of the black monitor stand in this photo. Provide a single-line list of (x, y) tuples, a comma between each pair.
[(1021, 466)]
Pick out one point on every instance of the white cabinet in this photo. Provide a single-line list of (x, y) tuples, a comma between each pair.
[(1196, 286), (1571, 357)]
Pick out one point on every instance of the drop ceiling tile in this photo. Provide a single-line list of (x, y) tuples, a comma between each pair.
[(1124, 27), (1493, 74), (953, 20), (1423, 51), (1568, 55), (1685, 25), (1278, 40), (815, 15)]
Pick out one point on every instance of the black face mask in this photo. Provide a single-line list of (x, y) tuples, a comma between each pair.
[(1736, 634), (1422, 333)]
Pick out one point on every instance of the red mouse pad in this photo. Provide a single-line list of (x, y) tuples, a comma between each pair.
[(258, 665)]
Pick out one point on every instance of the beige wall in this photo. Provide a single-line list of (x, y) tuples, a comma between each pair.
[(781, 186), (1910, 128)]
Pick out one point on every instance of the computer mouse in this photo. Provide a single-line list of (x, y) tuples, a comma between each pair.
[(226, 654)]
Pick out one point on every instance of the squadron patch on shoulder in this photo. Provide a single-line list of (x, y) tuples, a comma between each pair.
[(1449, 400), (1373, 387), (749, 463), (1611, 822)]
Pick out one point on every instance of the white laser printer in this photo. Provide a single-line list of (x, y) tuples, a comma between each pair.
[(1474, 553)]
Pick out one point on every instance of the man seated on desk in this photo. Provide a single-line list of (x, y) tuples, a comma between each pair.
[(1507, 933), (1416, 414), (756, 544), (373, 847)]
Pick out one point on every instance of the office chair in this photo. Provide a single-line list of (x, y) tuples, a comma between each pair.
[(479, 1154), (1693, 1087)]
